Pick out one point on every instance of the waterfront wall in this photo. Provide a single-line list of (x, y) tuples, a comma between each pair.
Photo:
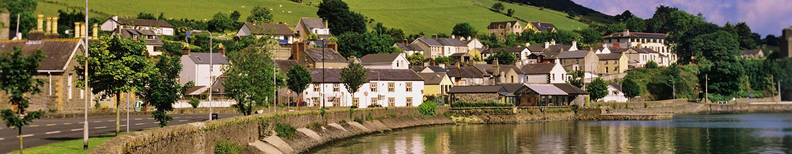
[(741, 108), (257, 131)]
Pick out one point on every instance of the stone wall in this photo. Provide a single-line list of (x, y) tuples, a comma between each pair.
[(719, 108), (476, 97), (200, 137)]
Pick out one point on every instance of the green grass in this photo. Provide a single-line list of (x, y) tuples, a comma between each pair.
[(193, 9), (533, 13), (66, 147)]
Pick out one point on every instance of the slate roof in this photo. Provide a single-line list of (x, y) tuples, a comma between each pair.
[(542, 26), (643, 50), (511, 50), (573, 54), (570, 89), (330, 55), (536, 48), (143, 22), (458, 54), (269, 29), (429, 41), (552, 51), (610, 56), (502, 24), (546, 89), (203, 58), (379, 58), (617, 50), (442, 42), (59, 51), (313, 23), (476, 89), (464, 72), (617, 86), (751, 52), (141, 34), (512, 87), (636, 35), (334, 75), (408, 47), (539, 68), (432, 78), (285, 65)]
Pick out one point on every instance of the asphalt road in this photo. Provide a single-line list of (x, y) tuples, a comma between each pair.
[(45, 131)]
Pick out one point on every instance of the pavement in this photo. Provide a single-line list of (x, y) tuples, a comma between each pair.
[(46, 131)]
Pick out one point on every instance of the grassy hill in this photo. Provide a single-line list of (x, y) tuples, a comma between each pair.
[(413, 16)]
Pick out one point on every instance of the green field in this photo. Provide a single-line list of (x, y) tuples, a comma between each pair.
[(413, 16)]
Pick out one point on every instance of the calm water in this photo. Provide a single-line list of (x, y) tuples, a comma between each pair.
[(723, 133)]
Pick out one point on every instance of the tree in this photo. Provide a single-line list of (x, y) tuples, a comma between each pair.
[(221, 22), (259, 15), (577, 78), (624, 15), (631, 88), (339, 19), (443, 60), (589, 37), (354, 76), (464, 30), (416, 59), (25, 10), (148, 16), (651, 64), (635, 24), (597, 89), (17, 73), (249, 76), (748, 40), (362, 44), (116, 65), (162, 89), (235, 15), (571, 14), (497, 7), (298, 79), (503, 57), (509, 12)]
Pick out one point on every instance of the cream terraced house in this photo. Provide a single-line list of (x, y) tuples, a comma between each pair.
[(653, 41), (384, 87)]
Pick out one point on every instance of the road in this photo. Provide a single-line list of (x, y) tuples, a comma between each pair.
[(45, 131)]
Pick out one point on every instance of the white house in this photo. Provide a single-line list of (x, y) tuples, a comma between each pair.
[(195, 67), (638, 57), (385, 88), (281, 32), (149, 37), (653, 41), (544, 73), (436, 47), (385, 61), (408, 48), (308, 26), (160, 27), (615, 94)]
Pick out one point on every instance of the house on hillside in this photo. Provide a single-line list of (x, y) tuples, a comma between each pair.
[(615, 94), (308, 26), (160, 27), (653, 41), (575, 95), (612, 63), (152, 41), (549, 51), (755, 53), (435, 47), (384, 88), (196, 68), (281, 32), (580, 60), (504, 28), (408, 48), (544, 73), (540, 27), (500, 73), (467, 76), (638, 57), (436, 83), (542, 95), (311, 57), (480, 93), (385, 61)]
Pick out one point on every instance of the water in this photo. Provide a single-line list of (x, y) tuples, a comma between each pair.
[(722, 133)]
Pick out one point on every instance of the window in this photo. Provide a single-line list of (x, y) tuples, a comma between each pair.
[(356, 102), (391, 101), (70, 86), (336, 87), (606, 69), (373, 86), (374, 100), (408, 86), (606, 62), (315, 101), (391, 87), (553, 76), (615, 68), (512, 79), (316, 87), (409, 101)]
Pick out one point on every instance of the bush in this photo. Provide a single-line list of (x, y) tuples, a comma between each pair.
[(284, 130), (480, 104), (358, 120), (314, 125), (194, 102), (558, 110), (718, 97), (428, 108), (225, 147), (374, 105)]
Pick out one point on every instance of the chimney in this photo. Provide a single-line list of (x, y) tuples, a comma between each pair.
[(49, 25), (604, 46), (55, 25), (626, 32), (332, 45), (352, 59), (77, 29), (434, 36), (496, 68), (95, 31), (527, 44), (115, 17), (552, 41), (222, 49), (453, 37), (40, 19), (84, 32), (5, 23), (495, 61), (574, 43), (325, 23), (547, 45), (186, 49)]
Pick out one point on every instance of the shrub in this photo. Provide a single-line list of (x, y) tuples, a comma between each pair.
[(351, 112), (194, 102), (369, 117), (480, 104), (322, 112), (342, 121), (284, 130), (314, 125), (358, 120), (428, 108), (374, 105), (225, 147), (558, 110), (575, 107)]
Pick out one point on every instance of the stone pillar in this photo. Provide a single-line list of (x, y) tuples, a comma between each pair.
[(55, 25), (49, 25), (77, 29), (84, 32), (40, 19), (95, 31)]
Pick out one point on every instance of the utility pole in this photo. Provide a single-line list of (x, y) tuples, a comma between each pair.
[(706, 88), (779, 91), (128, 96), (275, 84), (87, 90)]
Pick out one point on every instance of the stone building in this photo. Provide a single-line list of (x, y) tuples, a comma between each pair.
[(504, 28), (786, 42)]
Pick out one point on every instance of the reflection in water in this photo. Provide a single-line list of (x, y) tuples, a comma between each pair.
[(724, 133)]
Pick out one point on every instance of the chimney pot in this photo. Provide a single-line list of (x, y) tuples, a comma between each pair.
[(95, 31), (49, 25), (55, 25), (77, 29), (547, 45), (40, 19), (84, 32)]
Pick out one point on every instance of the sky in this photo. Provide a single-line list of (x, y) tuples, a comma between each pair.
[(763, 16)]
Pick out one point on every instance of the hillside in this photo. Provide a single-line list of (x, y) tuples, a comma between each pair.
[(413, 16)]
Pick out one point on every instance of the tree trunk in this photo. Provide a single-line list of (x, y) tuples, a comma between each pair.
[(20, 139), (118, 114)]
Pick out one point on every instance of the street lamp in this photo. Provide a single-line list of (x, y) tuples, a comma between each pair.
[(211, 68), (87, 90), (323, 70)]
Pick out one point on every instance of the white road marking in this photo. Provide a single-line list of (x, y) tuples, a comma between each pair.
[(182, 120), (52, 132), (28, 135), (138, 118), (51, 124), (34, 125), (103, 127), (97, 121), (2, 139), (78, 129), (110, 120), (123, 125), (138, 124), (67, 123)]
